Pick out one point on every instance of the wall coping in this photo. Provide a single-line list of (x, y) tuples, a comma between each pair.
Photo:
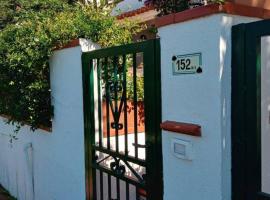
[(41, 127), (203, 11), (182, 128), (226, 8), (85, 44), (72, 43), (135, 12)]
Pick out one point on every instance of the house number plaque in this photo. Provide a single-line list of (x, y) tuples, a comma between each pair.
[(187, 64)]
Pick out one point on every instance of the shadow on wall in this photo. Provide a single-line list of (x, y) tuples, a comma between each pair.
[(16, 172), (4, 194)]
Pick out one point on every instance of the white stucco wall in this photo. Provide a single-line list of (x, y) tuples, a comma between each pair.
[(203, 99), (52, 165), (57, 158)]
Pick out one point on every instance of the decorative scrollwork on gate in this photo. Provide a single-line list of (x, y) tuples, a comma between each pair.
[(117, 168), (116, 93)]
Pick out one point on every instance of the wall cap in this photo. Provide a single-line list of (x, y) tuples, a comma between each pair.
[(41, 127), (72, 43), (203, 11), (182, 128), (85, 44), (135, 12)]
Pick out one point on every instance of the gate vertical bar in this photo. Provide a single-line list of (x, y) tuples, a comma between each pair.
[(109, 187), (253, 168), (125, 103), (135, 104), (127, 191), (99, 64), (239, 172), (101, 184), (99, 68), (87, 126), (107, 103), (118, 188), (137, 193), (152, 120), (158, 107), (107, 86), (92, 103), (116, 121)]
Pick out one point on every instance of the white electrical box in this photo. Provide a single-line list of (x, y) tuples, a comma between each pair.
[(182, 149)]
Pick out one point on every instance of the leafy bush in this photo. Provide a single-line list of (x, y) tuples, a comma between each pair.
[(166, 7), (139, 86), (27, 40)]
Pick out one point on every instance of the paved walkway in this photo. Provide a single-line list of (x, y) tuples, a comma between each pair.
[(4, 194)]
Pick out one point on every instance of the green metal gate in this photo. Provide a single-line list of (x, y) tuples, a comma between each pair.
[(246, 111), (122, 111)]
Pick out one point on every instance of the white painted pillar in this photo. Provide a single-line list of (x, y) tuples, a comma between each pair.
[(203, 99)]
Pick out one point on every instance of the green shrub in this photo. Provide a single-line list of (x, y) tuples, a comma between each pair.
[(166, 7), (27, 41)]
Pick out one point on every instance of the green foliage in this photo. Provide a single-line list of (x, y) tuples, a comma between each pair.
[(139, 86), (7, 10), (217, 1), (27, 41), (166, 7)]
